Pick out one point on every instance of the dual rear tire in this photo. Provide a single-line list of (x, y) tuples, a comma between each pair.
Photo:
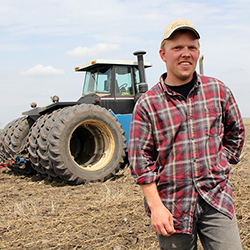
[(79, 144)]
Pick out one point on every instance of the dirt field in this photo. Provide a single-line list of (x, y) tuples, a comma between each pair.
[(40, 214)]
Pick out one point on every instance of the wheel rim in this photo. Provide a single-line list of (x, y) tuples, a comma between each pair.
[(91, 145)]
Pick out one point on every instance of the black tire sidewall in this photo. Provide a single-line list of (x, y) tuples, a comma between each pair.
[(76, 116)]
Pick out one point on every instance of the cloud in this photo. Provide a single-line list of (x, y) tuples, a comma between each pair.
[(32, 31), (98, 49), (40, 70)]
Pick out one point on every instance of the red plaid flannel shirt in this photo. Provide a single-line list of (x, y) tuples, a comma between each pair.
[(186, 146)]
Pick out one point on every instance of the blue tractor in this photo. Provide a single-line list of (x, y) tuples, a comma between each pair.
[(82, 141)]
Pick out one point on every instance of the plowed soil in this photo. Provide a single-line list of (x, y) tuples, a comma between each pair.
[(38, 213)]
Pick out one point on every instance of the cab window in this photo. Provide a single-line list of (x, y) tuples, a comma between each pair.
[(97, 81), (124, 81)]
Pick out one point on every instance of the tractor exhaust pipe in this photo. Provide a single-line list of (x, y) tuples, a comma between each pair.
[(143, 86), (201, 65)]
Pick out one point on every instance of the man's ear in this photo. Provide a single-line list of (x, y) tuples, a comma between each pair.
[(162, 55)]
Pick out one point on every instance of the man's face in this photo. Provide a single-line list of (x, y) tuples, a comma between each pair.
[(180, 55)]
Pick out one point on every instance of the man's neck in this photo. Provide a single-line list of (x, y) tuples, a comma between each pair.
[(173, 81)]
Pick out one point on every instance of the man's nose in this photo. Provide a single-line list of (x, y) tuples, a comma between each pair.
[(185, 52)]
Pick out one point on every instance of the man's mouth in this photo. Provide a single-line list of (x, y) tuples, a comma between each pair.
[(185, 63)]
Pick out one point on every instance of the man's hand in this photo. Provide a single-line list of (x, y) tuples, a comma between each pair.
[(161, 218), (162, 221)]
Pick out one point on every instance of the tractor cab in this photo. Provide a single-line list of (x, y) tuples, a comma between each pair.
[(112, 84)]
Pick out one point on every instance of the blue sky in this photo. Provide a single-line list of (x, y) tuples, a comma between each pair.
[(43, 41)]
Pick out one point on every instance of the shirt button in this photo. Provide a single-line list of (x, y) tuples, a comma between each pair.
[(194, 159)]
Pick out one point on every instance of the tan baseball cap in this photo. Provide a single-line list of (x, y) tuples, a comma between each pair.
[(178, 25)]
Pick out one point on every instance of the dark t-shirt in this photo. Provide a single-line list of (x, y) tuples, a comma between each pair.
[(183, 89)]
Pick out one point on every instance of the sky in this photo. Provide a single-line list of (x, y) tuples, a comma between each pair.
[(41, 43)]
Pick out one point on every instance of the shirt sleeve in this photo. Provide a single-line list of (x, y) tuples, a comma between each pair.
[(141, 150), (234, 131)]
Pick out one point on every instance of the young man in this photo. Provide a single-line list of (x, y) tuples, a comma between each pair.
[(184, 134)]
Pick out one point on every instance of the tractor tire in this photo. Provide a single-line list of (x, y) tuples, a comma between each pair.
[(86, 144), (15, 142), (33, 144), (5, 141), (6, 134), (20, 135), (42, 143)]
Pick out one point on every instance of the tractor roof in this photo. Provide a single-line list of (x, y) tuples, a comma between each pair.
[(101, 62)]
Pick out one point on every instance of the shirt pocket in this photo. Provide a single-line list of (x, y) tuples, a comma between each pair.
[(213, 124)]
